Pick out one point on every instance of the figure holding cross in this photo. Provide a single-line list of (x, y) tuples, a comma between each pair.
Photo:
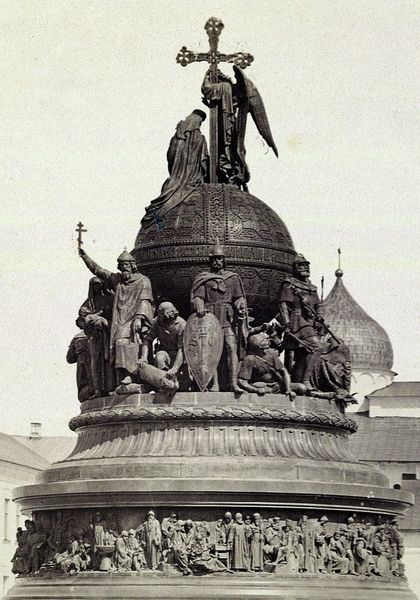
[(229, 105)]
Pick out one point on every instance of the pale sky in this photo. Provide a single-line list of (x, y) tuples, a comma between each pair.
[(91, 94)]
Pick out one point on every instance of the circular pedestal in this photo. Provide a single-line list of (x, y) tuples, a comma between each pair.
[(200, 454), (208, 450)]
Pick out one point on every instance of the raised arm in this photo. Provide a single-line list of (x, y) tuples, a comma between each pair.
[(97, 270)]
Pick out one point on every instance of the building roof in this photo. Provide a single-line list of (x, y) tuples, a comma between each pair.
[(369, 344), (398, 389), (51, 448), (12, 451), (386, 439)]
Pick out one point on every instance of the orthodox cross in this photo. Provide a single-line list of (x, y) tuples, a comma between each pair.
[(79, 231), (184, 57)]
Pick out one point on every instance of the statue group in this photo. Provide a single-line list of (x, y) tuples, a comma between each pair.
[(231, 544), (126, 346)]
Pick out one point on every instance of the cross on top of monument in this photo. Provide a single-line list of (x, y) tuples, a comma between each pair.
[(184, 57), (213, 28)]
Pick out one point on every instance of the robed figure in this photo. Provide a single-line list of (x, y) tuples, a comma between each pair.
[(132, 311), (78, 353), (306, 545), (151, 540), (187, 164), (233, 102), (256, 546), (96, 315), (238, 543)]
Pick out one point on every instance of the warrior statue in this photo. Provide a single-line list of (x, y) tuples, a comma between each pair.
[(187, 164), (132, 312), (222, 293), (301, 314)]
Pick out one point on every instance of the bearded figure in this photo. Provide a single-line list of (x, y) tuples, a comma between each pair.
[(222, 293), (132, 311)]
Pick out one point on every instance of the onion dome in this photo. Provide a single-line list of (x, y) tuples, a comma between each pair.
[(369, 344)]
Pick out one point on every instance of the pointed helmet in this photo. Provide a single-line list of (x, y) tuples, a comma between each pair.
[(125, 257), (300, 260), (217, 249)]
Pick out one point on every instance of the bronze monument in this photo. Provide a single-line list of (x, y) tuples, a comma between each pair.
[(268, 445)]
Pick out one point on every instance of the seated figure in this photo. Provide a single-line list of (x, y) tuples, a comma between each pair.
[(262, 371), (201, 560), (331, 370), (168, 331), (75, 558), (123, 558), (135, 551)]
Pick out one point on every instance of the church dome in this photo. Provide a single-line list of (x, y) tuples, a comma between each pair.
[(256, 242), (369, 344)]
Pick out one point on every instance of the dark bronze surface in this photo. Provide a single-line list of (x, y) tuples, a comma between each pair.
[(257, 243)]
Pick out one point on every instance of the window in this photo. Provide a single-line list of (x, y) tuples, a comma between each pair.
[(408, 476), (6, 519)]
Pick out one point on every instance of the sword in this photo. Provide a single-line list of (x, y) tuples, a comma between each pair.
[(292, 335), (314, 314)]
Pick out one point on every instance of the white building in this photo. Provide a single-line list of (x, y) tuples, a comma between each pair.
[(18, 466), (21, 459), (388, 412)]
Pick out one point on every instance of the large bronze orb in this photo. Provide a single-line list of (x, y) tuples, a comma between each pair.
[(257, 245)]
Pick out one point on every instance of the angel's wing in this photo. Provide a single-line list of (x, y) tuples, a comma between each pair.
[(255, 107)]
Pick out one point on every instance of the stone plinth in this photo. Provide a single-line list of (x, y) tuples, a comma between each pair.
[(212, 450), (201, 454)]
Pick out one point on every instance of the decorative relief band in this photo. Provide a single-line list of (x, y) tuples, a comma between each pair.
[(198, 413)]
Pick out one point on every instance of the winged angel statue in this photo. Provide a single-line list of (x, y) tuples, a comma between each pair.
[(234, 101), (188, 160)]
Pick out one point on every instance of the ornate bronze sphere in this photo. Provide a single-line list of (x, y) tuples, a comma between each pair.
[(257, 246)]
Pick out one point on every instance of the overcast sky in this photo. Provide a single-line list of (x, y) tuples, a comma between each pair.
[(91, 94)]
